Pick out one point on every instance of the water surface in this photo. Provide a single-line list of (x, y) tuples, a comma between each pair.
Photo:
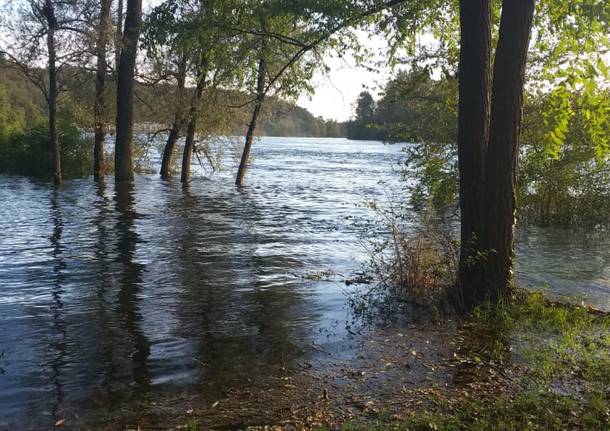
[(118, 295)]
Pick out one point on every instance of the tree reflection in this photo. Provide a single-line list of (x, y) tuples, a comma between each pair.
[(58, 340), (246, 322), (106, 342), (130, 280)]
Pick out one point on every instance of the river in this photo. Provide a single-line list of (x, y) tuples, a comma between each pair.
[(117, 296)]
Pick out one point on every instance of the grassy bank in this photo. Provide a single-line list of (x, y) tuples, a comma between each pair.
[(562, 354)]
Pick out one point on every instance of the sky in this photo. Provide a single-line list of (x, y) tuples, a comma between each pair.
[(335, 92)]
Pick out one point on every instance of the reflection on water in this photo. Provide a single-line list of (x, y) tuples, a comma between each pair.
[(114, 295), (58, 328)]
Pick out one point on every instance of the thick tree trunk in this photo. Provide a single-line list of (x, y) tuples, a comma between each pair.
[(260, 96), (123, 154), (49, 12), (103, 34), (503, 149), (189, 144), (473, 126), (174, 133)]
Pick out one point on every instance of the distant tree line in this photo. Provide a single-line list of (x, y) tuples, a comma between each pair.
[(413, 107), (279, 118)]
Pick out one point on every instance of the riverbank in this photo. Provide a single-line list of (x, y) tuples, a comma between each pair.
[(531, 365)]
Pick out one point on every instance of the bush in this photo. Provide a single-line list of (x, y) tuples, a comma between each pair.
[(29, 152), (416, 257)]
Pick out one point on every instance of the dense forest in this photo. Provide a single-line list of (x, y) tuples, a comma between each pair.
[(342, 284)]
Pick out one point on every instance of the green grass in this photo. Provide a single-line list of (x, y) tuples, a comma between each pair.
[(531, 411), (555, 340), (563, 347)]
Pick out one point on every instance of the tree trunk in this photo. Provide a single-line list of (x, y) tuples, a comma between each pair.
[(188, 148), (473, 126), (100, 88), (49, 12), (260, 96), (118, 36), (503, 149), (189, 144), (123, 154), (174, 133)]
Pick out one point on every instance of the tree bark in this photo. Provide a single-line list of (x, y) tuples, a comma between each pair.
[(473, 126), (123, 155), (503, 149), (258, 103), (100, 88), (49, 12), (189, 143), (174, 133), (118, 36)]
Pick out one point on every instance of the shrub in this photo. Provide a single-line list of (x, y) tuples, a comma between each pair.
[(414, 257), (29, 152)]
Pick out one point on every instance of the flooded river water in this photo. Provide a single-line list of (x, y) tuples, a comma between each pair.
[(112, 296)]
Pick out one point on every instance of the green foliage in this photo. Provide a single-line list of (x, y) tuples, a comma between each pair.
[(567, 83), (563, 178), (282, 118), (20, 96), (413, 108), (364, 125), (529, 411), (11, 118), (435, 169), (569, 55), (29, 152), (540, 411), (563, 182)]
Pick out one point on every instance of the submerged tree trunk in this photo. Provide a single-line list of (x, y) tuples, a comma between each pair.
[(123, 154), (188, 148), (503, 149), (473, 126), (174, 133), (189, 144), (258, 103), (49, 13), (100, 88)]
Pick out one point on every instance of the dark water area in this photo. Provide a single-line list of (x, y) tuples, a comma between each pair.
[(112, 296)]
